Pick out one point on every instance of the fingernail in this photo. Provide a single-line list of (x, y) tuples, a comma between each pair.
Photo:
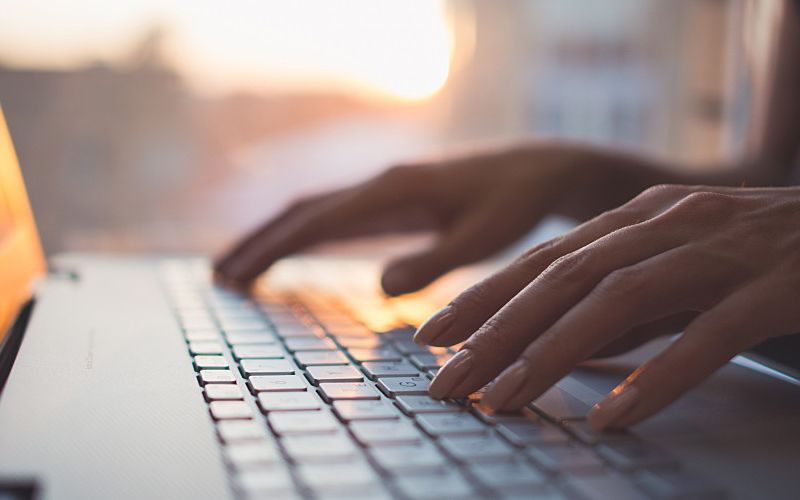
[(612, 408), (506, 385), (451, 374), (435, 326)]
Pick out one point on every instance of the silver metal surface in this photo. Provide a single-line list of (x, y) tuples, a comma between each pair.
[(102, 401)]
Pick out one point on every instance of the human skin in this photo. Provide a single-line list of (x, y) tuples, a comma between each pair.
[(720, 264), (681, 256)]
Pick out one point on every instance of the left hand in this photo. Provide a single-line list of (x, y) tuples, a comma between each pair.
[(720, 264)]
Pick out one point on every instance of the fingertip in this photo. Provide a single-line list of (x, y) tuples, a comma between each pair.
[(615, 411), (396, 280)]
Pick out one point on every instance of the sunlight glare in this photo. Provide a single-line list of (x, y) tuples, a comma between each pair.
[(395, 49)]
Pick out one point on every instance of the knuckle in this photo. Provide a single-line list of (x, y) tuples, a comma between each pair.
[(300, 203), (569, 266), (474, 298), (538, 254), (662, 190), (492, 337), (627, 282), (705, 201), (402, 173)]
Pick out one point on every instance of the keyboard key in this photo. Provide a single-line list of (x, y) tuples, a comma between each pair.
[(400, 386), (310, 344), (364, 410), (382, 354), (477, 449), (277, 383), (381, 369), (509, 476), (450, 424), (588, 435), (298, 330), (678, 483), (230, 325), (322, 478), (202, 335), (252, 453), (320, 358), (266, 367), (371, 342), (266, 482), (239, 430), (225, 410), (560, 405), (248, 338), (251, 351), (319, 374), (450, 485), (205, 347), (573, 459), (605, 486), (288, 401), (408, 346), (632, 455), (305, 422), (385, 432), (348, 390), (428, 361), (414, 405), (422, 457), (320, 448), (204, 361), (217, 377), (528, 430), (222, 392)]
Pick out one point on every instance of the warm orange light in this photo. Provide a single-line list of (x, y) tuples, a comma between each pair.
[(396, 49)]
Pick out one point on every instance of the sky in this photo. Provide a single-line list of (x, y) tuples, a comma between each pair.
[(397, 49)]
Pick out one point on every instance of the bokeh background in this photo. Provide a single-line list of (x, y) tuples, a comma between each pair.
[(175, 125)]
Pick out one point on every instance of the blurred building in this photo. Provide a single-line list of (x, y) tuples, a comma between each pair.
[(123, 156), (640, 74)]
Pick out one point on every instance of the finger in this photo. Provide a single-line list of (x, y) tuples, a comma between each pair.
[(467, 312), (476, 236), (672, 282), (739, 322), (548, 297), (226, 261), (642, 334), (330, 217)]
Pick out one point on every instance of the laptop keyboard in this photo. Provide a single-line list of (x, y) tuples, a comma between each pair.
[(308, 402)]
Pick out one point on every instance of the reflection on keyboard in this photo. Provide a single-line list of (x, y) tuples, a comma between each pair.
[(310, 403)]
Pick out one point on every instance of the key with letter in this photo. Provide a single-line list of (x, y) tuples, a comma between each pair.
[(399, 386)]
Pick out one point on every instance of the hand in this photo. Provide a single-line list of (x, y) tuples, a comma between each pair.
[(720, 264), (478, 203)]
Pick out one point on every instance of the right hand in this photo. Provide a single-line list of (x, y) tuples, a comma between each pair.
[(478, 203)]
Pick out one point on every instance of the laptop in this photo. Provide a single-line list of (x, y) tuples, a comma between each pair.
[(137, 377)]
